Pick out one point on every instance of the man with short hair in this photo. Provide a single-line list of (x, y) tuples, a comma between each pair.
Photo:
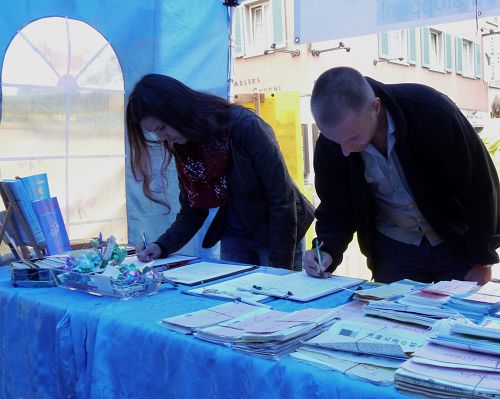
[(400, 165)]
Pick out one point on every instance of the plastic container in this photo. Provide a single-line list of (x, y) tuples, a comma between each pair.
[(98, 284)]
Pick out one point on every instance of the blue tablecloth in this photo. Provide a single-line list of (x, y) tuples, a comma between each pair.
[(57, 343)]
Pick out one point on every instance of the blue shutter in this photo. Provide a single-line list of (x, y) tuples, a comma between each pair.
[(477, 60), (412, 46), (278, 15), (383, 45), (239, 38), (447, 53), (458, 56), (425, 36)]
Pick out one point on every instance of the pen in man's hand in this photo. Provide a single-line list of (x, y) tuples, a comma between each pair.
[(318, 245), (144, 240)]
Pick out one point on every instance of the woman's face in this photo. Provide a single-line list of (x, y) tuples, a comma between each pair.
[(162, 130)]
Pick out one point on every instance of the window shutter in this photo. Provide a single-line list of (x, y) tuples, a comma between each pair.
[(477, 60), (425, 37), (458, 56), (278, 17), (239, 39), (383, 45), (447, 56), (412, 46)]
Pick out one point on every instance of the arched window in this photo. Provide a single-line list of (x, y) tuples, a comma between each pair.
[(62, 113)]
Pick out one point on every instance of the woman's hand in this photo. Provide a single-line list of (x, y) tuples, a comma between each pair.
[(151, 252), (311, 265)]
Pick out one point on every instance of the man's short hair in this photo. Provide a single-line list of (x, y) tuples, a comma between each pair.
[(338, 91)]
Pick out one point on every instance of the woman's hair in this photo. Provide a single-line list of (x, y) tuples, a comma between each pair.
[(194, 114)]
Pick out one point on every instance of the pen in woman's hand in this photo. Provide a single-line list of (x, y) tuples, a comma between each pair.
[(144, 240)]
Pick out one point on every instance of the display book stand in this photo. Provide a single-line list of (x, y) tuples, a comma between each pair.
[(14, 211)]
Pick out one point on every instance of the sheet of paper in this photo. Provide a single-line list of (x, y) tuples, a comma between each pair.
[(170, 260), (200, 272), (451, 287), (488, 293), (103, 283), (299, 286)]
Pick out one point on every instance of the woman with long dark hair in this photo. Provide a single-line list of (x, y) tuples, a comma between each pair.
[(227, 157)]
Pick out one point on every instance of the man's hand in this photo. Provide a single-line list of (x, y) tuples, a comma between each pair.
[(151, 252), (311, 265), (479, 273)]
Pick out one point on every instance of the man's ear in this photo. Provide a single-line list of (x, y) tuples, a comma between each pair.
[(377, 105)]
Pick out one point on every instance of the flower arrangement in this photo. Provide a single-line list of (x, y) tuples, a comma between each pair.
[(98, 270)]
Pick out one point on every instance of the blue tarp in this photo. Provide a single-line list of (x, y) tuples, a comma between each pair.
[(185, 39)]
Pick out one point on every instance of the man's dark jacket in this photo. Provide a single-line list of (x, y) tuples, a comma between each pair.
[(265, 198), (448, 169)]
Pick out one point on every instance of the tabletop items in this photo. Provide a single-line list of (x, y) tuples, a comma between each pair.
[(428, 340)]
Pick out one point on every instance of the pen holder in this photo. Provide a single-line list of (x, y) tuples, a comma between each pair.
[(22, 276)]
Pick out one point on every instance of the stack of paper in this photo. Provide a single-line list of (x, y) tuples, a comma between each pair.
[(483, 338), (473, 310), (363, 347), (417, 314), (190, 322), (270, 333), (388, 291), (449, 373), (376, 369), (298, 286), (489, 328), (422, 298), (370, 336)]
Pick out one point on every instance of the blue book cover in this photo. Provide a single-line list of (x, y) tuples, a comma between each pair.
[(24, 202), (52, 224), (37, 186)]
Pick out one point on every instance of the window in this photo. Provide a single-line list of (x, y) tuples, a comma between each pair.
[(63, 104), (260, 25), (468, 58), (259, 28), (436, 59), (310, 134), (398, 44), (256, 25)]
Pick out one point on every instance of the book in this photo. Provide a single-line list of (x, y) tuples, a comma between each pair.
[(23, 200), (51, 222), (298, 286), (37, 186)]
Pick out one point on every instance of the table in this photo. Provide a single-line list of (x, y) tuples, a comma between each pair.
[(57, 343)]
